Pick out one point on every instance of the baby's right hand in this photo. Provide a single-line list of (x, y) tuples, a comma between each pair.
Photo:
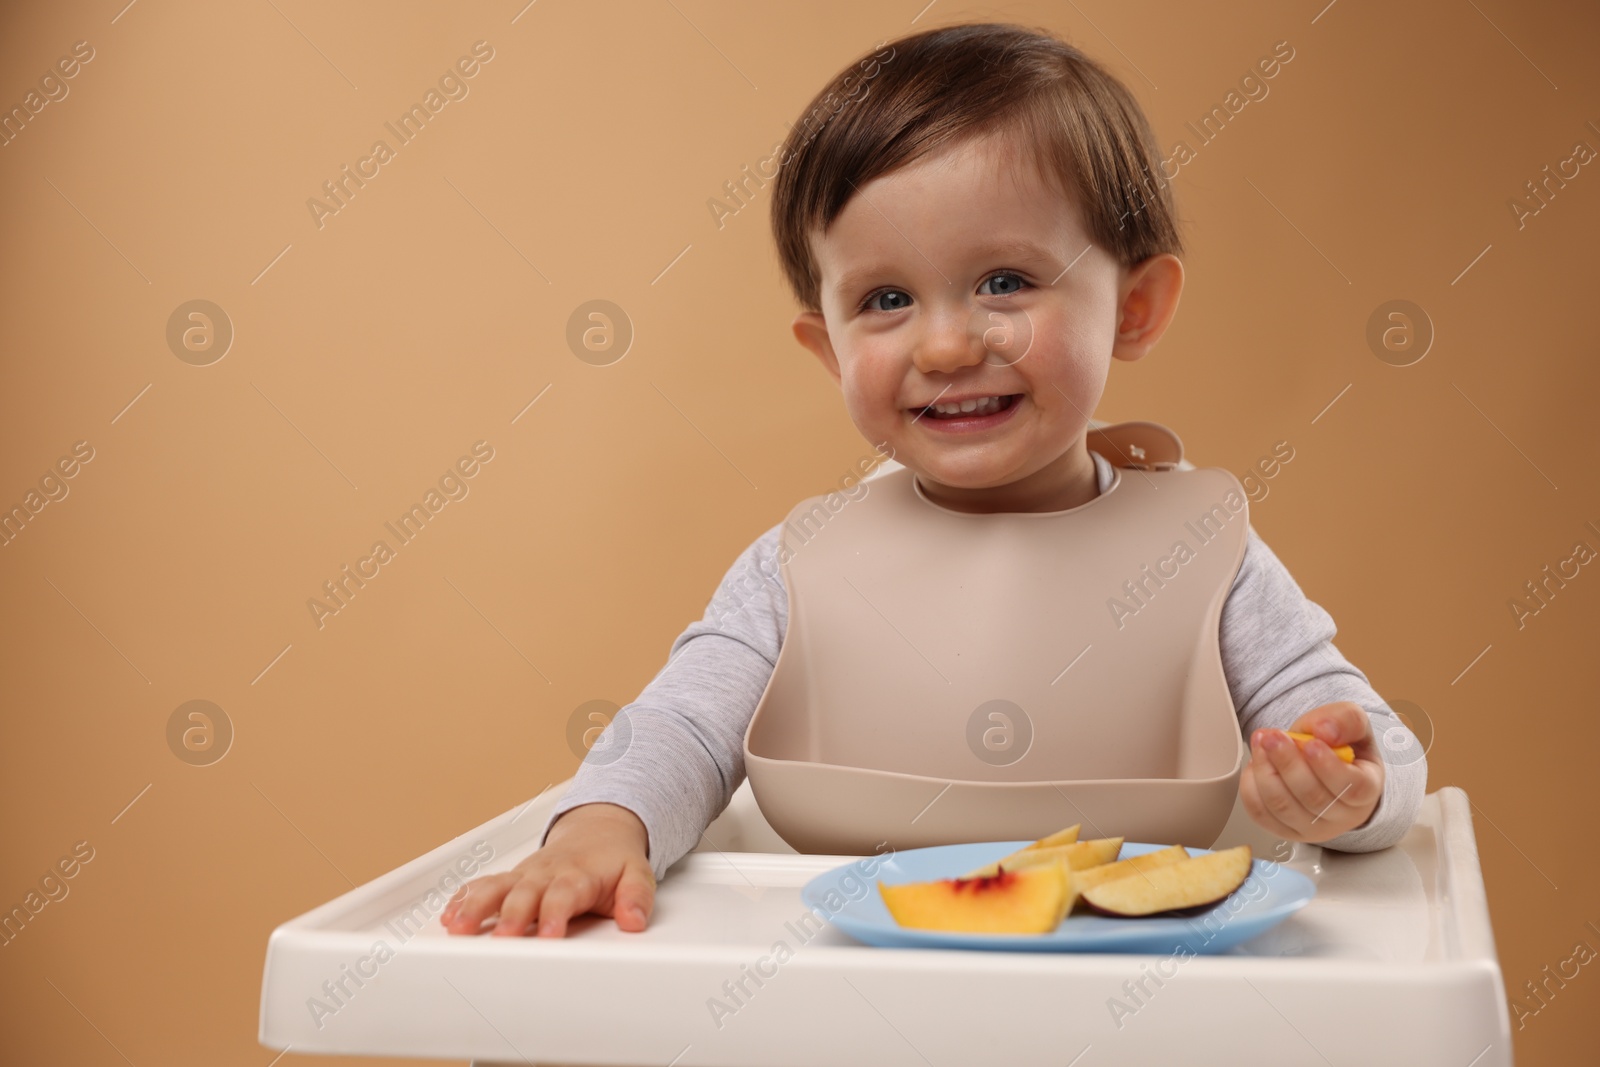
[(594, 859)]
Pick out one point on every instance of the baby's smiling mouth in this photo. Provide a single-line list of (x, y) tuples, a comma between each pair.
[(971, 407)]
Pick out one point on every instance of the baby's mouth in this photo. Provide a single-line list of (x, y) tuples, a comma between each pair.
[(989, 405)]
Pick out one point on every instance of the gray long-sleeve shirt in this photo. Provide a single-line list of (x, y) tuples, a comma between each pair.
[(676, 754)]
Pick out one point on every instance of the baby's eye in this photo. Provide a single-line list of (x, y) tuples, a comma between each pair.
[(903, 300), (867, 304), (1016, 278)]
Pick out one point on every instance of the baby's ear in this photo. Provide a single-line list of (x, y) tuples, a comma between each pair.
[(811, 330), (1149, 299)]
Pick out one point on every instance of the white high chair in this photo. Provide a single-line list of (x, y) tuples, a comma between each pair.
[(1393, 962)]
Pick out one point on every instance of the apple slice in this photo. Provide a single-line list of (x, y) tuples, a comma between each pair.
[(1078, 856), (1188, 883), (1029, 901), (1110, 872), (1344, 752)]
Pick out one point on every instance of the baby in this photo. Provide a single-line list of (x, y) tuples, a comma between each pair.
[(962, 176)]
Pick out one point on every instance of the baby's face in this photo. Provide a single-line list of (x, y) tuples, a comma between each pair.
[(965, 276)]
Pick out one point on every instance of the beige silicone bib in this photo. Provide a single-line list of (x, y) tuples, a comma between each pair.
[(950, 677)]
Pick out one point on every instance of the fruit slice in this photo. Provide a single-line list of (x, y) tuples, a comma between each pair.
[(1110, 872), (1188, 883), (1069, 899), (1344, 752), (1069, 836), (1078, 856), (1029, 901), (1060, 837)]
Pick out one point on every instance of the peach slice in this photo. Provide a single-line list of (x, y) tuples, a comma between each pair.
[(1189, 883), (1029, 901), (1078, 856), (1344, 752), (1060, 837), (1150, 861)]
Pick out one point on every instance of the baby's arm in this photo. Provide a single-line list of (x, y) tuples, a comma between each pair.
[(1280, 661), (663, 769), (683, 738)]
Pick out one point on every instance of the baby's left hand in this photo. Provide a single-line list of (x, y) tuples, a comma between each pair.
[(1309, 794)]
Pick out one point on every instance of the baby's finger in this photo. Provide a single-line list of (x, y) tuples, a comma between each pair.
[(453, 905), (1296, 772), (570, 893), (1277, 798), (481, 899), (1343, 722), (635, 897), (1350, 782), (1360, 784), (1250, 797), (517, 909)]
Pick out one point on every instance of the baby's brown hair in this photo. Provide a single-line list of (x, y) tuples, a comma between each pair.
[(939, 87)]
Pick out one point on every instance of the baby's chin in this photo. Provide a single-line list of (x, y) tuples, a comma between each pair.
[(982, 468), (967, 474)]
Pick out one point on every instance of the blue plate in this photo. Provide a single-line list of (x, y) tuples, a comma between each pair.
[(848, 897)]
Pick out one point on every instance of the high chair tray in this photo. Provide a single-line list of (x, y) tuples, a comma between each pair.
[(1392, 962)]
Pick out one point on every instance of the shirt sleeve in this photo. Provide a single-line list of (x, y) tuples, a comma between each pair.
[(1280, 661), (676, 754)]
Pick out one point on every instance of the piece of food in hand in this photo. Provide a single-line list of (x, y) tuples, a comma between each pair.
[(1033, 900), (1110, 872), (1078, 856), (1344, 752), (1190, 883)]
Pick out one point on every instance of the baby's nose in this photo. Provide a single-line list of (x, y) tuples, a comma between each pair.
[(949, 342)]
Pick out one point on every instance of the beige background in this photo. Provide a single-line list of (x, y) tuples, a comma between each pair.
[(372, 352)]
